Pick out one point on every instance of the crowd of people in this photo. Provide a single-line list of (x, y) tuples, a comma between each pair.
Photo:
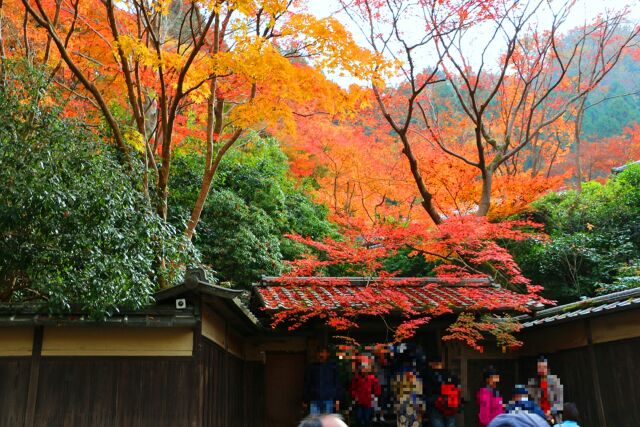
[(385, 385)]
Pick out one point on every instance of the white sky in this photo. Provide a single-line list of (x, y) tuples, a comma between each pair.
[(583, 11), (584, 8)]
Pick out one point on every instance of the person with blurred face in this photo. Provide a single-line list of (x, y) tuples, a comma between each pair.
[(364, 389), (521, 403), (409, 402), (442, 395), (570, 415), (488, 398), (547, 391), (322, 385)]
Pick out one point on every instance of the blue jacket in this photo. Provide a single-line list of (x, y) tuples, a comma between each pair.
[(519, 419), (321, 382), (525, 406)]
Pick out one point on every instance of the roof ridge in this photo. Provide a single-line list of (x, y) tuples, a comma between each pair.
[(615, 296), (359, 280), (616, 301)]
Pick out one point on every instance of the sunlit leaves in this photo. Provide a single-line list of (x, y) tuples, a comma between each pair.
[(463, 247)]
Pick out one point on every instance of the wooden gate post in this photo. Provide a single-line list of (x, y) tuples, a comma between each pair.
[(34, 373), (595, 375)]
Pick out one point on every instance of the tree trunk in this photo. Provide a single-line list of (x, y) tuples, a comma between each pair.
[(427, 197), (577, 140), (206, 185), (163, 190), (199, 204), (485, 196)]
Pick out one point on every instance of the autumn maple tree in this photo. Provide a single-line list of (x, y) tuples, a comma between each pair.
[(609, 153), (466, 249), (514, 79), (460, 151), (189, 71)]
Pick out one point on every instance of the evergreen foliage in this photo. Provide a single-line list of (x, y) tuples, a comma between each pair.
[(594, 244), (252, 204), (75, 232)]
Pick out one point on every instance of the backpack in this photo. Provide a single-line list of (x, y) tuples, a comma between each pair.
[(449, 401)]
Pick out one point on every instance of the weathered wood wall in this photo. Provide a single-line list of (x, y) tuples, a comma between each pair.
[(284, 380), (91, 391), (135, 391), (14, 378), (233, 389), (619, 366)]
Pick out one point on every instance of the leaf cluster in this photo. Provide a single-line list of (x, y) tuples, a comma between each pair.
[(75, 232), (252, 204), (595, 238)]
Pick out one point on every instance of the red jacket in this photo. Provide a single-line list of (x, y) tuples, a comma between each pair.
[(544, 395), (363, 388)]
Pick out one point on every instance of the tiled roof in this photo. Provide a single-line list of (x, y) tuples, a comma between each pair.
[(150, 317), (283, 293), (604, 304)]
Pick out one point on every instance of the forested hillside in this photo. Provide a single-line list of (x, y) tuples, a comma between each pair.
[(615, 104)]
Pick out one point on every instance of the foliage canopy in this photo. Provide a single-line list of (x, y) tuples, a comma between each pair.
[(594, 241), (74, 228), (253, 204)]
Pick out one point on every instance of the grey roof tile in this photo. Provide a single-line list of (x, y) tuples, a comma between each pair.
[(623, 300)]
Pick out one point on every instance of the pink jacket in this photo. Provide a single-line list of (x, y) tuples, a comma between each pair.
[(490, 405)]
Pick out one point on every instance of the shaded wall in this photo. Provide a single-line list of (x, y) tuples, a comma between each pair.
[(284, 382), (618, 366), (618, 372), (233, 389), (212, 388), (14, 379), (132, 392), (597, 360)]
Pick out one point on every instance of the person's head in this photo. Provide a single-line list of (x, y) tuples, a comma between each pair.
[(325, 420), (520, 393), (570, 412), (543, 366), (364, 364), (360, 366), (311, 421), (333, 420), (491, 377), (381, 354)]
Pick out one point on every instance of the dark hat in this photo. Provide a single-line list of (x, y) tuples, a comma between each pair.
[(520, 389), (489, 372), (570, 412)]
